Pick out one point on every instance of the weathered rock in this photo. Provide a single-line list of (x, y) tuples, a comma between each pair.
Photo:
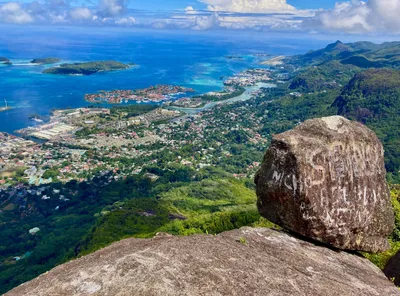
[(392, 269), (325, 180), (249, 261)]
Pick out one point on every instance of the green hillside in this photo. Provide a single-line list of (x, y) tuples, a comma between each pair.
[(359, 54), (373, 98)]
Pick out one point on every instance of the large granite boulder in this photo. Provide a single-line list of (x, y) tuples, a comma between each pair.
[(249, 261), (325, 180)]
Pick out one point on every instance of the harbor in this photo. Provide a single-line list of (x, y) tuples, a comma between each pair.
[(249, 93)]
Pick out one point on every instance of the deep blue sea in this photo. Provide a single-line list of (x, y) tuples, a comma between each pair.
[(190, 59)]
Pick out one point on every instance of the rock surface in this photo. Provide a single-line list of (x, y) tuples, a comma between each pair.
[(325, 180), (392, 269), (249, 261)]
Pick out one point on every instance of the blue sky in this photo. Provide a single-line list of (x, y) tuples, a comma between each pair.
[(370, 17)]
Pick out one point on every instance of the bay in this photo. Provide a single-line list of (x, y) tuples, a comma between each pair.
[(195, 60)]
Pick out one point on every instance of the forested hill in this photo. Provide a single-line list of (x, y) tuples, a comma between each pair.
[(359, 54), (360, 81), (371, 94), (334, 65), (373, 98)]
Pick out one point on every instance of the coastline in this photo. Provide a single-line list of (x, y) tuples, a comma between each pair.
[(247, 95), (238, 74), (276, 61), (3, 109)]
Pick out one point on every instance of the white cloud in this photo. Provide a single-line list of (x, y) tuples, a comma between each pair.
[(12, 12), (107, 12), (353, 16), (248, 6), (386, 11), (262, 22), (190, 10), (126, 21), (81, 13), (109, 8), (206, 22), (360, 16)]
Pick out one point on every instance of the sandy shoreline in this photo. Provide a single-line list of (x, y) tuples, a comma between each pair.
[(274, 61)]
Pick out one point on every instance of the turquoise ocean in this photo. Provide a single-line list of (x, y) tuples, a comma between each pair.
[(191, 59)]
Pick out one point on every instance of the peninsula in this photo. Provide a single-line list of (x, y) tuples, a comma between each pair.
[(45, 61), (87, 68)]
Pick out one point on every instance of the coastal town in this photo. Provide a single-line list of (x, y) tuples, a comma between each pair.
[(79, 144), (249, 77)]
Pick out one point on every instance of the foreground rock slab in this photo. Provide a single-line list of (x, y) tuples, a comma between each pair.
[(326, 180), (249, 261)]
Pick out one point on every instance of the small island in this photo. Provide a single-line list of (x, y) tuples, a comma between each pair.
[(46, 61), (234, 57), (87, 68), (155, 94), (5, 61)]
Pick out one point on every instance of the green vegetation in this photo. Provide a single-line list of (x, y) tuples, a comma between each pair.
[(15, 173), (88, 68), (51, 173), (215, 98), (359, 54), (46, 61), (132, 110), (372, 97), (94, 214), (208, 206), (327, 76), (243, 241), (382, 259)]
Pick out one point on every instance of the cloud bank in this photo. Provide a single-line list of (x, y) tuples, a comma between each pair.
[(355, 16), (109, 12), (12, 12), (248, 6), (360, 17)]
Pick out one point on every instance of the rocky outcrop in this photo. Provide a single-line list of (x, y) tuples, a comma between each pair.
[(249, 261), (392, 269), (325, 180)]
